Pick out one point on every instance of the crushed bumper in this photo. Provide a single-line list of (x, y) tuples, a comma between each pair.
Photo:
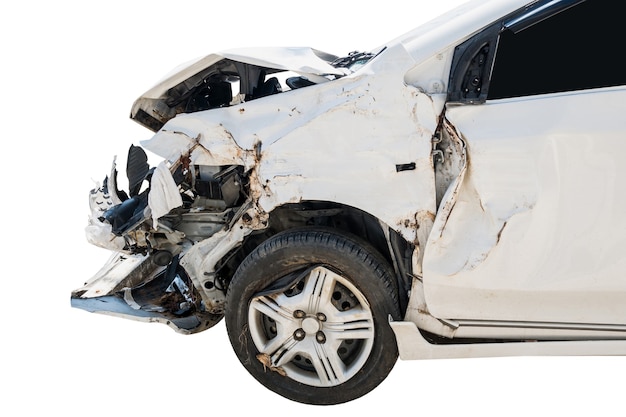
[(141, 288)]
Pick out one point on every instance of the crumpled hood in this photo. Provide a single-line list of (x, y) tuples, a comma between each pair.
[(157, 102)]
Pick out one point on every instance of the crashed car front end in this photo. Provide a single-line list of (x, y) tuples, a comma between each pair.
[(150, 231), (339, 212), (231, 164)]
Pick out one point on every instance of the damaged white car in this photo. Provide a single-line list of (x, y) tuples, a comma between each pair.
[(456, 192)]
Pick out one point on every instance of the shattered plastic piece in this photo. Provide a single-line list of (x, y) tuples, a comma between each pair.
[(137, 169)]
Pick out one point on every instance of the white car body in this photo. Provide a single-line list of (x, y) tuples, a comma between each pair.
[(508, 211)]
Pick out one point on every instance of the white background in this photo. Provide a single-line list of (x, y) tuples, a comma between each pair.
[(70, 74)]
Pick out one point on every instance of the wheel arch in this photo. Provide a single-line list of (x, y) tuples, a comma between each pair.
[(341, 219)]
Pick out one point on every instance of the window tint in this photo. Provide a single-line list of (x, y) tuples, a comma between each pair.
[(577, 49)]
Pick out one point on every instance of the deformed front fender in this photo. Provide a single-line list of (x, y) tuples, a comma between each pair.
[(363, 140)]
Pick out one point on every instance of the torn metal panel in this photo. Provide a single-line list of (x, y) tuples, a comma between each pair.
[(450, 159), (201, 259), (207, 142), (109, 278), (136, 287)]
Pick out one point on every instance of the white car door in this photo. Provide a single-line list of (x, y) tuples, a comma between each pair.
[(538, 228)]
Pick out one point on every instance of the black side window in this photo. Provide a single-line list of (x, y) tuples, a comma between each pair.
[(577, 49)]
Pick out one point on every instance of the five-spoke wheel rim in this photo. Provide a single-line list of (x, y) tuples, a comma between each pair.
[(319, 331)]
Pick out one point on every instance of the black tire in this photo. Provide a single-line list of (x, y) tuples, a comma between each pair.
[(318, 303)]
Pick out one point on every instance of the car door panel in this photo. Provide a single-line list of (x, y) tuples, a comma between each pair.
[(537, 229)]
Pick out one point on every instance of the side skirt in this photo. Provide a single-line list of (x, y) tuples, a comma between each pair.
[(412, 346)]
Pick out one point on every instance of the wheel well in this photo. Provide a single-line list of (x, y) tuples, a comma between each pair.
[(344, 219)]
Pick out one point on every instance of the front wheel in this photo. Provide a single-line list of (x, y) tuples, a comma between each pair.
[(307, 315)]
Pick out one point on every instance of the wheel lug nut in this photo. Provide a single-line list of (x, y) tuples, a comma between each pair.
[(320, 337), (299, 314), (299, 334), (321, 316)]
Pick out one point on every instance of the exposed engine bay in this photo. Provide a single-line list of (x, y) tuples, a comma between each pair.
[(156, 284)]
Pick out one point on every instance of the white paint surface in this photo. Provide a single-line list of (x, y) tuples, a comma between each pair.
[(76, 68)]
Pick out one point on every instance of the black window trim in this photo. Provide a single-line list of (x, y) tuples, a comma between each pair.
[(465, 53), (539, 14)]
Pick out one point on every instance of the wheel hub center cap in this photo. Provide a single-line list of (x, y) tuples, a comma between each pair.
[(310, 325)]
